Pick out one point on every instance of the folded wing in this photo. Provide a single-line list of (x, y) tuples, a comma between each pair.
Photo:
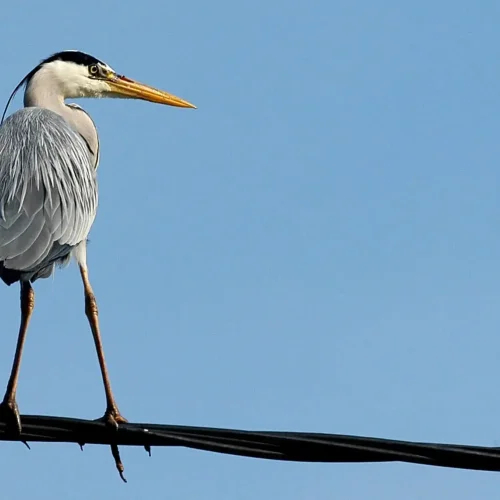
[(48, 192)]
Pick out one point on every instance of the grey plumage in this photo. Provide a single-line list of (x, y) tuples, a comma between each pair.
[(48, 193), (49, 152)]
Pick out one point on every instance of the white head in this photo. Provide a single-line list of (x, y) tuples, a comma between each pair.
[(72, 74)]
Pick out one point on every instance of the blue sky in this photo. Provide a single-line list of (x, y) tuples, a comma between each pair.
[(315, 248)]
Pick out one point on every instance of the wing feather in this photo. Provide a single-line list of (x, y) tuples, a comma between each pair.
[(48, 190)]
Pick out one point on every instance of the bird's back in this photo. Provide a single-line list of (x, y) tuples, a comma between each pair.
[(48, 193)]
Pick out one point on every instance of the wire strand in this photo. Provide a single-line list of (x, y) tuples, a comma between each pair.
[(287, 446)]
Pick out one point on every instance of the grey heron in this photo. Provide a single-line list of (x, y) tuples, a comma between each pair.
[(49, 153)]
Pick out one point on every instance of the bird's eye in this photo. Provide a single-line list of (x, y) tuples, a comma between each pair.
[(93, 69)]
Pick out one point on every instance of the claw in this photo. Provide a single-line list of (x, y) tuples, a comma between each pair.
[(112, 418), (9, 413), (147, 447), (118, 462)]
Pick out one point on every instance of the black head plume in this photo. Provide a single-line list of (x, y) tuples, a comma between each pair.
[(74, 56)]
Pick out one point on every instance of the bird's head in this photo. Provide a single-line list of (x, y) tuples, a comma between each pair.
[(74, 74)]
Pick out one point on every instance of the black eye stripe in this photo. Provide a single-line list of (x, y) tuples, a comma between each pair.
[(73, 56)]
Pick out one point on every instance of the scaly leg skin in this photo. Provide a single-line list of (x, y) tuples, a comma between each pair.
[(112, 416), (9, 411)]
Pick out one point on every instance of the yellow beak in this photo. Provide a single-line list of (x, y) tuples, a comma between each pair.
[(125, 87)]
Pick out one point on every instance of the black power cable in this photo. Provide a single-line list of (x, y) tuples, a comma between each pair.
[(288, 446)]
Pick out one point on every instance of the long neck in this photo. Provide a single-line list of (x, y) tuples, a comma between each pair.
[(43, 91), (43, 96)]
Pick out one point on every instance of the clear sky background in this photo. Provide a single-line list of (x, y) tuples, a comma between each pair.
[(316, 248)]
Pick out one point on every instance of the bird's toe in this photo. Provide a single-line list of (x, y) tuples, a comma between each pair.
[(9, 414)]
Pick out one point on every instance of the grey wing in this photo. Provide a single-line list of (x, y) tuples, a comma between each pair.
[(48, 190)]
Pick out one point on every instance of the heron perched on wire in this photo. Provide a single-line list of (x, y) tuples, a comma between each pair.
[(49, 152)]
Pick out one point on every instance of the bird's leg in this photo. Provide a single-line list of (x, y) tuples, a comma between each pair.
[(8, 408), (112, 415)]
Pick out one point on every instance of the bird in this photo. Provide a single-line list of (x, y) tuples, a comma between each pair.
[(49, 154)]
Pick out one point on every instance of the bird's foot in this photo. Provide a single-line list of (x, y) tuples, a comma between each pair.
[(112, 418), (9, 413)]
